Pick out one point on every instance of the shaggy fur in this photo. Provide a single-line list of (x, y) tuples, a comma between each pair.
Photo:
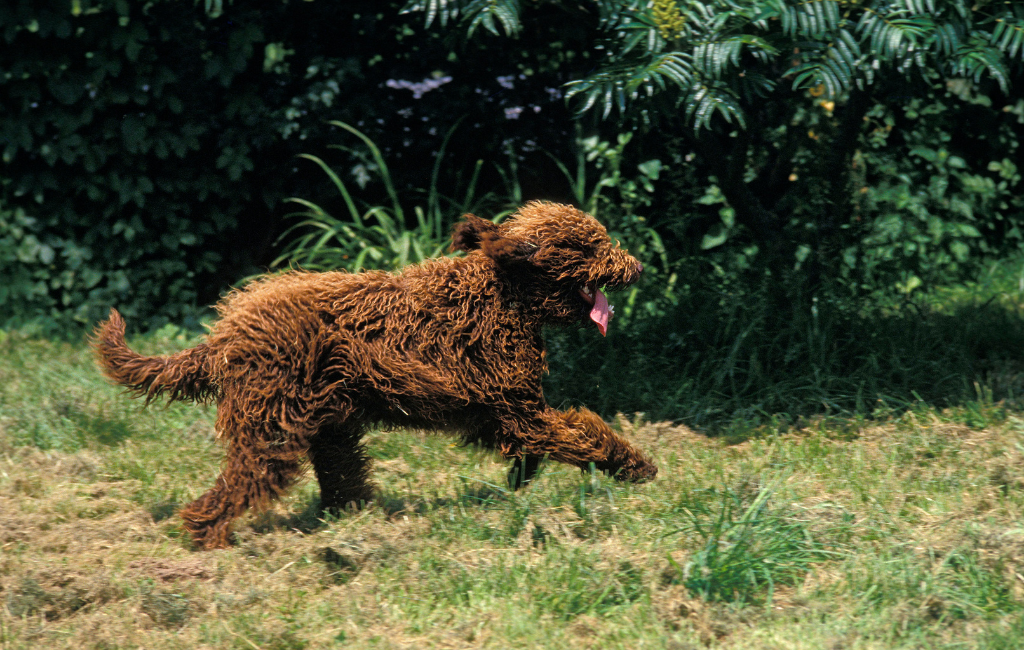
[(302, 364)]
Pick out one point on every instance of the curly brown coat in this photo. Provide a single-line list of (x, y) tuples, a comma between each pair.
[(302, 364)]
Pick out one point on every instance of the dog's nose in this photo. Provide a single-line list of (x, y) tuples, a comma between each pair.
[(639, 267)]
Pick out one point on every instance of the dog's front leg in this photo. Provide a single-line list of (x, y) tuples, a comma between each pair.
[(581, 437), (523, 470)]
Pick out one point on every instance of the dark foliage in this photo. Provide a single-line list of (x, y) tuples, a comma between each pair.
[(147, 147)]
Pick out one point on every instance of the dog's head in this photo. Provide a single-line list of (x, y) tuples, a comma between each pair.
[(556, 258)]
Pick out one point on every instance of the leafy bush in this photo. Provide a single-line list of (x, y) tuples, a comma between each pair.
[(793, 160), (23, 260), (119, 120), (932, 202), (725, 58), (152, 143)]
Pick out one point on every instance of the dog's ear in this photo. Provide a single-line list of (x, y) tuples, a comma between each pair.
[(507, 250), (471, 231), (474, 233)]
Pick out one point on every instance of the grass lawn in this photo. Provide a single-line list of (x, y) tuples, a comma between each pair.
[(904, 532)]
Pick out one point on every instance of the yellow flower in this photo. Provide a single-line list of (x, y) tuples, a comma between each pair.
[(668, 18)]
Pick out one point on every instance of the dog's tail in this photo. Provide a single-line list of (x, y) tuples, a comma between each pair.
[(181, 376)]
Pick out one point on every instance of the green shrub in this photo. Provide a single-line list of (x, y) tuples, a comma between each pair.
[(151, 144), (23, 262), (122, 120), (776, 116)]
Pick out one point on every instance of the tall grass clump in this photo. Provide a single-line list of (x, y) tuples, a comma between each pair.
[(747, 546)]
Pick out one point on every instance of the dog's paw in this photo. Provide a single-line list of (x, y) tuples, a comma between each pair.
[(640, 472)]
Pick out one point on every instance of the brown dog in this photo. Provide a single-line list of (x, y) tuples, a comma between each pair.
[(301, 364)]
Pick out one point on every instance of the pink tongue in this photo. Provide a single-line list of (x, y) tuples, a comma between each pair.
[(599, 312)]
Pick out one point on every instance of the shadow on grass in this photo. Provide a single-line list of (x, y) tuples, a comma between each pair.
[(93, 424), (61, 422), (470, 495), (312, 517), (163, 510)]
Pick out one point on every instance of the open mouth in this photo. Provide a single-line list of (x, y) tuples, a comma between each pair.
[(600, 311)]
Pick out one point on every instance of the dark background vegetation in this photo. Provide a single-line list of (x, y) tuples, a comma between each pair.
[(809, 219)]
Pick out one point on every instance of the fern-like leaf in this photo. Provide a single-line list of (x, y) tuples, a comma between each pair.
[(441, 10), (920, 6), (1008, 35), (815, 18), (474, 13), (641, 30), (614, 86), (707, 98), (491, 12), (719, 53), (754, 86), (977, 57), (948, 38)]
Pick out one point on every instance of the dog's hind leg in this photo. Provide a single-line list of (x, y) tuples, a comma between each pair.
[(246, 481), (342, 467)]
